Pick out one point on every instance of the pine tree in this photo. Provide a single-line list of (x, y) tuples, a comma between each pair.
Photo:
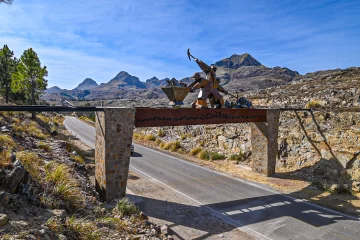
[(29, 77), (9, 2), (7, 68)]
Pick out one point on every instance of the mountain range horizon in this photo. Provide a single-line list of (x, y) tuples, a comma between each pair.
[(239, 71), (234, 61)]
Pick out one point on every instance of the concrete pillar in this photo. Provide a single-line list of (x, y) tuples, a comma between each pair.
[(264, 143), (114, 130)]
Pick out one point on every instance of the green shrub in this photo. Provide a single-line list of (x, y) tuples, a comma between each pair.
[(217, 156), (125, 208), (204, 155), (237, 157)]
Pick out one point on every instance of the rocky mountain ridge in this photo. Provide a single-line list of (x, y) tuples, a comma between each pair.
[(238, 71)]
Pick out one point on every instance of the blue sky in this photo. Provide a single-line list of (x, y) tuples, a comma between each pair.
[(98, 39)]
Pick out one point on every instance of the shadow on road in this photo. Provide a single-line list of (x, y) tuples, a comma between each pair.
[(244, 211), (135, 154)]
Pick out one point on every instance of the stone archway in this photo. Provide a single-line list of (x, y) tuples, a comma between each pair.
[(114, 130)]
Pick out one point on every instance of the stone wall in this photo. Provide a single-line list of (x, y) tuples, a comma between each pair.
[(303, 139)]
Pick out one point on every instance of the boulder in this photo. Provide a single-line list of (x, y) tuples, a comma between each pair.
[(3, 219), (14, 178)]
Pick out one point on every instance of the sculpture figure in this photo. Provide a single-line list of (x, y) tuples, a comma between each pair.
[(209, 89)]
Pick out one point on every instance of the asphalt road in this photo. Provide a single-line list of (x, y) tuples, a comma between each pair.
[(255, 209)]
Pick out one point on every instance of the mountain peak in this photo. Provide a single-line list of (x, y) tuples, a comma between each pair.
[(236, 61), (124, 80), (152, 79), (87, 84)]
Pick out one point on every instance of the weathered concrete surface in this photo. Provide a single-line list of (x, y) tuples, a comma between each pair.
[(114, 129), (264, 143)]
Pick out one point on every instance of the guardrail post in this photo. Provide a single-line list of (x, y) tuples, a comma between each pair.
[(264, 143), (114, 130)]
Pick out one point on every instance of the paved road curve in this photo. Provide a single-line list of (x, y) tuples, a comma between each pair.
[(259, 211)]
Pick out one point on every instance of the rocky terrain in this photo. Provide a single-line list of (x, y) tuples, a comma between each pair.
[(47, 187), (236, 72)]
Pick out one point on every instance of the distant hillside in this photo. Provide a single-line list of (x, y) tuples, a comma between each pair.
[(155, 82)]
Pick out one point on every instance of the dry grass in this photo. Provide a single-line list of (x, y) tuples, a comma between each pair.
[(138, 136), (29, 127), (172, 146), (7, 141), (78, 158), (314, 104), (81, 229), (64, 186), (161, 133), (44, 146), (195, 151), (80, 154), (31, 162), (204, 155), (5, 159), (150, 137), (183, 136)]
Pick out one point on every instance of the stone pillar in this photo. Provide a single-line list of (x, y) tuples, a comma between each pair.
[(264, 143), (114, 130)]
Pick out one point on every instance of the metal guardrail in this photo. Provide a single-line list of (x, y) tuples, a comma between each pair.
[(50, 108)]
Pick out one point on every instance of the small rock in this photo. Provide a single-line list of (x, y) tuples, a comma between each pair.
[(334, 188), (136, 237), (221, 236), (4, 129), (42, 231), (62, 237), (60, 213), (19, 224), (47, 237), (30, 236), (3, 219), (74, 153), (164, 229), (4, 198), (356, 186), (143, 216), (153, 231)]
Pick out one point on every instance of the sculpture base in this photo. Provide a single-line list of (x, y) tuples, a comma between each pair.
[(176, 104)]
